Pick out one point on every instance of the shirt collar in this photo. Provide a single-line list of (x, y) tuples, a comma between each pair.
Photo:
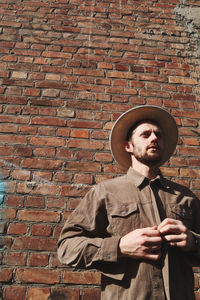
[(137, 178)]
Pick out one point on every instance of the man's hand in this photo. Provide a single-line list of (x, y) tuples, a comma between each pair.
[(142, 243), (176, 234)]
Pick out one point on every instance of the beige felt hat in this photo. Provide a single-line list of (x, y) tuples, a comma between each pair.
[(134, 115)]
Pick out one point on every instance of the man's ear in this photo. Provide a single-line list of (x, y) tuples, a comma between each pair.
[(128, 147)]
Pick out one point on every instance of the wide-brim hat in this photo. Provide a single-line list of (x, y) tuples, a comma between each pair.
[(121, 127)]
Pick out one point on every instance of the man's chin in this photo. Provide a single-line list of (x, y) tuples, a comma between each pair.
[(152, 160)]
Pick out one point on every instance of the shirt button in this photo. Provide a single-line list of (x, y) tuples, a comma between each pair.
[(156, 284), (183, 214)]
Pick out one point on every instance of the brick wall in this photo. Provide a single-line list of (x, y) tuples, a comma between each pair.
[(68, 69)]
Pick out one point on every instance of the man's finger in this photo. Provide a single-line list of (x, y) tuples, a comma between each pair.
[(175, 238), (168, 221), (171, 228)]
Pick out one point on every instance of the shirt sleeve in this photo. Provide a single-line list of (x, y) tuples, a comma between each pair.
[(84, 241)]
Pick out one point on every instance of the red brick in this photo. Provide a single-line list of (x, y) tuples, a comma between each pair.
[(34, 201), (6, 274), (39, 244), (38, 215), (37, 276), (49, 112), (85, 144), (41, 163), (21, 175), (16, 201), (32, 92), (8, 128), (15, 292), (38, 260), (6, 150), (71, 190), (103, 157), (63, 132), (17, 228), (38, 293), (27, 129), (24, 151), (40, 176), (44, 152), (194, 173), (65, 293), (48, 121), (84, 134), (81, 277), (8, 213), (83, 166), (55, 202), (84, 124), (83, 178), (47, 141), (65, 153), (91, 294), (84, 155), (16, 259), (62, 177), (41, 230)]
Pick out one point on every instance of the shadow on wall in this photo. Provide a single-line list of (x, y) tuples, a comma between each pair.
[(58, 296)]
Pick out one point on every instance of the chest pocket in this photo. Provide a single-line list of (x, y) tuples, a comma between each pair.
[(183, 214), (123, 218)]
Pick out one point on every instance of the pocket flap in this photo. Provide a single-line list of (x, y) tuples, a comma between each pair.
[(182, 212), (123, 210)]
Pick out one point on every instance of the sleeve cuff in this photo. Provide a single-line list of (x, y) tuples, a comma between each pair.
[(109, 249)]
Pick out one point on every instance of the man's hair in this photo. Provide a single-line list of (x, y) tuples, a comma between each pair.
[(134, 126)]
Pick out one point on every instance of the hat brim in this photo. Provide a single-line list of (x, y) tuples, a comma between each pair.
[(129, 118)]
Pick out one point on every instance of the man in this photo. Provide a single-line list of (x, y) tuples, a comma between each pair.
[(140, 229)]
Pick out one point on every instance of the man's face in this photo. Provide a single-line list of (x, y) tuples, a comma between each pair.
[(146, 143)]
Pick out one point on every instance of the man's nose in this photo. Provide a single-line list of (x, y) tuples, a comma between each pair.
[(153, 136)]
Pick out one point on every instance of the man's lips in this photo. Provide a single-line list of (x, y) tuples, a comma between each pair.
[(153, 147)]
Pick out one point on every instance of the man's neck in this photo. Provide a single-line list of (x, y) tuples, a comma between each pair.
[(148, 171)]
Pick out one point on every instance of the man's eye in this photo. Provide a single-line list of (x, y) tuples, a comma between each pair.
[(145, 135)]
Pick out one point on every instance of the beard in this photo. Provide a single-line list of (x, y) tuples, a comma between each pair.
[(148, 159)]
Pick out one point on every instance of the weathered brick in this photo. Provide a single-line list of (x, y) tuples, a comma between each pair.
[(47, 141), (33, 243), (6, 274), (16, 258), (83, 166), (38, 215), (15, 200), (91, 293), (41, 163), (38, 293), (37, 276), (48, 121), (15, 292), (41, 230), (85, 144), (65, 293), (38, 260), (35, 201), (81, 277), (17, 228)]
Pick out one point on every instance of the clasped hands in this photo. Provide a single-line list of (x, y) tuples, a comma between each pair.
[(147, 242)]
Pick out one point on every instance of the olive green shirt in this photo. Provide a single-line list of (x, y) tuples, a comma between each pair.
[(111, 209)]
